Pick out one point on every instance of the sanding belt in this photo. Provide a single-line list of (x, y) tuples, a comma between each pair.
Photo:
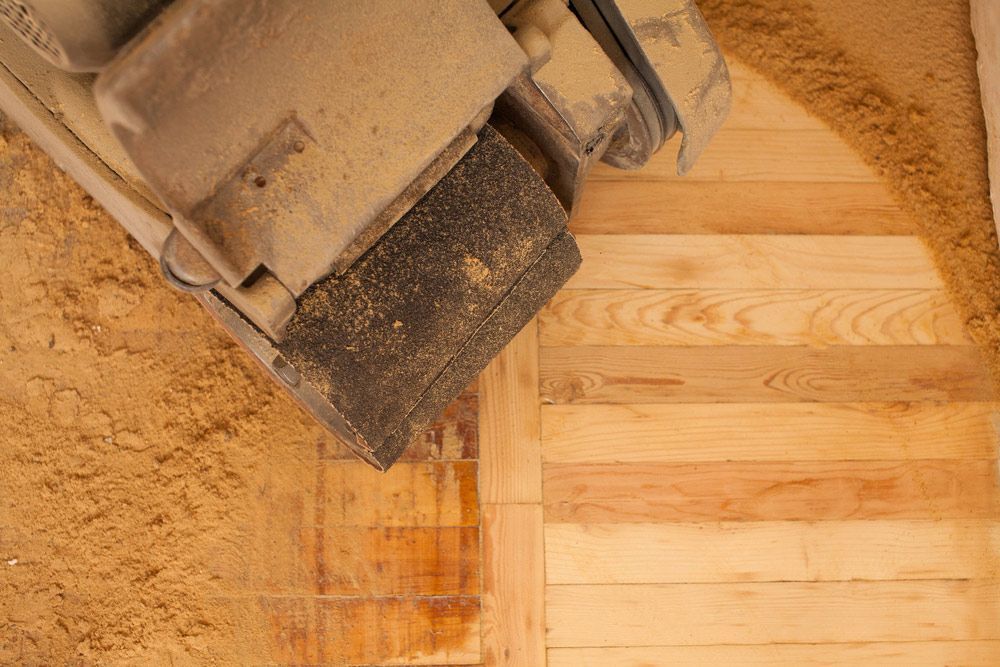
[(394, 339)]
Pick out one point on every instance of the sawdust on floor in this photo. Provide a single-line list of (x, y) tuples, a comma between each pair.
[(897, 79)]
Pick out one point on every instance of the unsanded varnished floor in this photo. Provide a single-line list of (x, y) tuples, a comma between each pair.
[(751, 430)]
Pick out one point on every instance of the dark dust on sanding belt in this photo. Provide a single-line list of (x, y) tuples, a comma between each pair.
[(391, 341)]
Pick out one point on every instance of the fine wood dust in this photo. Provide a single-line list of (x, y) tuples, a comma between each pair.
[(897, 79)]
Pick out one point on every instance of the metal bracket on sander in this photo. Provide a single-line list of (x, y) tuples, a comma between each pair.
[(377, 352)]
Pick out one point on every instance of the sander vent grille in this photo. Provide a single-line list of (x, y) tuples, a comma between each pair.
[(32, 29)]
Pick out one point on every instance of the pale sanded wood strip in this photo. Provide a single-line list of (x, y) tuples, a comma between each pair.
[(691, 207), (640, 493), (771, 551), (616, 261), (751, 317), (679, 433), (985, 653), (732, 374), (513, 585), (510, 456), (759, 105), (985, 16), (810, 156), (699, 614)]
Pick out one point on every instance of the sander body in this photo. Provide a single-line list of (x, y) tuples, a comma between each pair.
[(371, 197)]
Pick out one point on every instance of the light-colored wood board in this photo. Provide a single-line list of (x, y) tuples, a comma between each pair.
[(662, 261), (735, 374), (642, 493), (367, 561), (751, 317), (438, 493), (810, 156), (984, 653), (371, 630), (510, 456), (985, 16), (678, 433), (759, 105), (872, 550), (786, 612), (695, 207), (513, 620)]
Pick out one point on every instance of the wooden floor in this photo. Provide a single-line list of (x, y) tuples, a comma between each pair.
[(751, 430)]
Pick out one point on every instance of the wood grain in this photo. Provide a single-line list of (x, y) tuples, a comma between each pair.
[(751, 317), (786, 612), (409, 494), (508, 423), (762, 374), (872, 550), (984, 653), (607, 493), (692, 207), (985, 17), (513, 585), (366, 561), (665, 433), (735, 154), (372, 630), (616, 261)]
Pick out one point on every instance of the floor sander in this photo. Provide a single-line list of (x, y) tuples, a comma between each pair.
[(371, 196)]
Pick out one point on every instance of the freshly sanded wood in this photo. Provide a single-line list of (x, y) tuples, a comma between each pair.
[(741, 374), (687, 432), (985, 653), (725, 207), (510, 451), (985, 15), (513, 582), (870, 550), (811, 156), (812, 491), (751, 317), (751, 261), (772, 613)]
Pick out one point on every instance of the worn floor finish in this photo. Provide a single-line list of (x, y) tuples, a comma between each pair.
[(751, 430)]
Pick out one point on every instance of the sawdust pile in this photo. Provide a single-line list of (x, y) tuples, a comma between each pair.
[(897, 79), (132, 428)]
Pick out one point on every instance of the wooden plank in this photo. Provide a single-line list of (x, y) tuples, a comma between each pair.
[(509, 423), (759, 105), (372, 630), (616, 261), (984, 653), (877, 550), (438, 493), (985, 17), (665, 433), (454, 435), (762, 374), (696, 207), (811, 156), (786, 612), (513, 585), (751, 317), (366, 561), (607, 493)]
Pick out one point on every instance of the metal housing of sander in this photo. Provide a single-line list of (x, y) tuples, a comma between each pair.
[(371, 197)]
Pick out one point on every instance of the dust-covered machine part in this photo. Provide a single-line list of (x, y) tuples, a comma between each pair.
[(372, 197)]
